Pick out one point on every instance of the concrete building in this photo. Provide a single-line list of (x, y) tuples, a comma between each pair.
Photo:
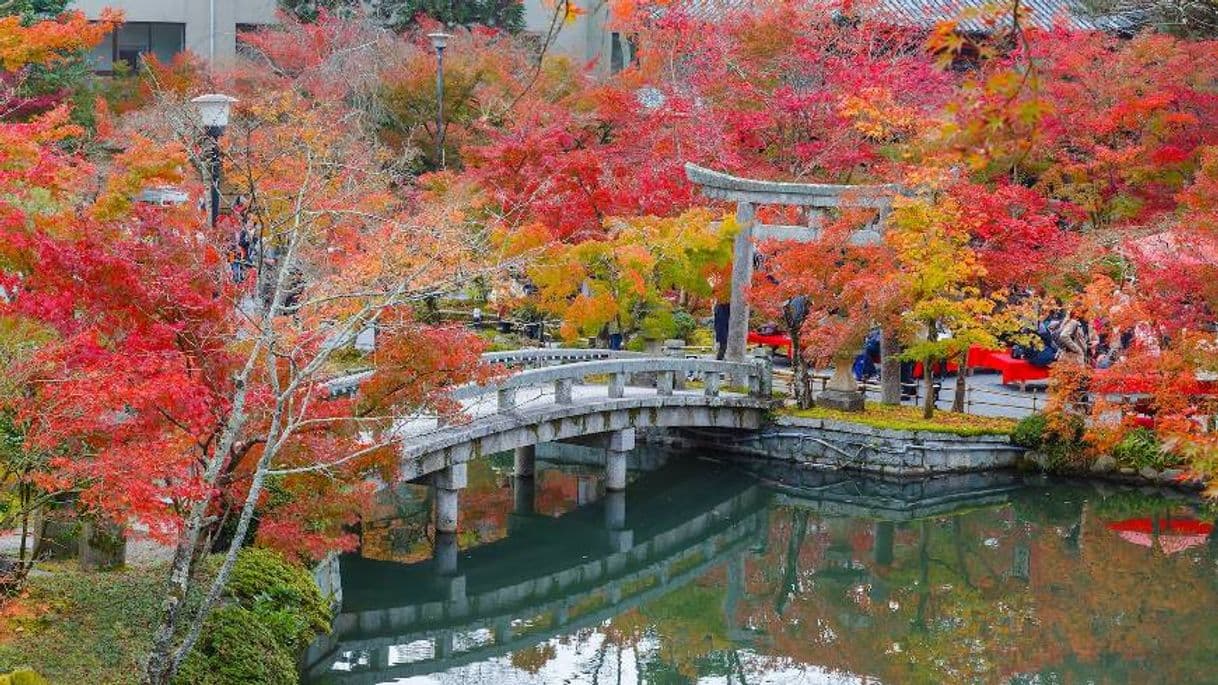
[(587, 39), (590, 37), (207, 28)]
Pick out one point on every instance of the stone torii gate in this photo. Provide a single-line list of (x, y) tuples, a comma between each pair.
[(814, 199)]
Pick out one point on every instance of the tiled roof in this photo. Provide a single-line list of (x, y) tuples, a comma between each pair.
[(1040, 13), (927, 13)]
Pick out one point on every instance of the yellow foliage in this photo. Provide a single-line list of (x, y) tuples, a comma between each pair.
[(623, 278), (876, 114), (143, 163)]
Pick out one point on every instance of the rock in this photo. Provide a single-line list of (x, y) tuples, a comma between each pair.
[(1171, 475), (1127, 471), (1040, 459), (840, 400), (1149, 473), (1105, 464)]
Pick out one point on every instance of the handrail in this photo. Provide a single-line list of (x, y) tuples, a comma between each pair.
[(567, 365), (533, 356), (536, 355), (756, 375)]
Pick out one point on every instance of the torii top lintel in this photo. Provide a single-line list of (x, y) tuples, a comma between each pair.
[(720, 186)]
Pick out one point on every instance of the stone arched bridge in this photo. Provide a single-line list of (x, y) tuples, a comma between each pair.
[(596, 397)]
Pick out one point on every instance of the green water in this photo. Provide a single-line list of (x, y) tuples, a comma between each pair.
[(704, 573)]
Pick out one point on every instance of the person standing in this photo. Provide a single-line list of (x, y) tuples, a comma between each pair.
[(1071, 339), (723, 312)]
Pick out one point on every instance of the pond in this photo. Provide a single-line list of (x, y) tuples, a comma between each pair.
[(710, 573)]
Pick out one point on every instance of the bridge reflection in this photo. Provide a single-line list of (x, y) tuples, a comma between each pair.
[(556, 575)]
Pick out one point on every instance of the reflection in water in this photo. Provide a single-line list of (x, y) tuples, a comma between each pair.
[(703, 573)]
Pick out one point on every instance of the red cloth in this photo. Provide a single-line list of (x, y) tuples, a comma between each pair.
[(779, 340), (1173, 526), (1015, 370)]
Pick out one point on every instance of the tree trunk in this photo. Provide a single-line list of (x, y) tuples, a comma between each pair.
[(890, 368), (961, 381), (801, 387), (161, 667), (928, 375), (26, 496)]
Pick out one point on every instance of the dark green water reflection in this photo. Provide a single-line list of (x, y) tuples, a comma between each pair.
[(709, 574)]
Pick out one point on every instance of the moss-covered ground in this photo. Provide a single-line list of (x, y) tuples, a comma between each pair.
[(893, 417), (73, 626)]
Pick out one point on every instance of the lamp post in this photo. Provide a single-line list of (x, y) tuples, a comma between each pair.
[(439, 41), (213, 113)]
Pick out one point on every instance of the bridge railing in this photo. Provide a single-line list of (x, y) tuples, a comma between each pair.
[(554, 356), (529, 358), (567, 367), (669, 374)]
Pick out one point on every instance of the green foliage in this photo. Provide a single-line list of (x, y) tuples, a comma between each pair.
[(1060, 441), (83, 627), (237, 646), (1029, 432), (33, 10), (1140, 448), (401, 14), (281, 592), (275, 611), (684, 325), (657, 323)]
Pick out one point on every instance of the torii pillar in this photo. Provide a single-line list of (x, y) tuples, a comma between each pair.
[(748, 194)]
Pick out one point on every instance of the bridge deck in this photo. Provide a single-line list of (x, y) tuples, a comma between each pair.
[(554, 403)]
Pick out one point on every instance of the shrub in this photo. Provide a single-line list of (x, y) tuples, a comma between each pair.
[(1140, 448), (684, 324), (1030, 432), (275, 610), (1060, 440), (283, 593), (236, 646)]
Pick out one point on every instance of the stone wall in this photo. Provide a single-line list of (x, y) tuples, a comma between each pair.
[(329, 580), (845, 445)]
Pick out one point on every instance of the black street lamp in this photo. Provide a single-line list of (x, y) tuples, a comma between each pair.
[(439, 41), (213, 113)]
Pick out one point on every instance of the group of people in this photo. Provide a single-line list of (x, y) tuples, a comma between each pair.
[(244, 243), (1067, 335)]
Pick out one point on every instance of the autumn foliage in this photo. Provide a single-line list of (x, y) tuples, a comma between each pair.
[(161, 386)]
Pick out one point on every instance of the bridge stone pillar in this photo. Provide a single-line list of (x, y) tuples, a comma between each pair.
[(524, 491), (444, 645), (621, 538), (502, 631), (445, 554), (380, 658), (615, 510), (526, 461), (446, 484), (620, 442), (882, 542)]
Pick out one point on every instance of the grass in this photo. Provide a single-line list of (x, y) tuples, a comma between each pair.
[(892, 417), (73, 626)]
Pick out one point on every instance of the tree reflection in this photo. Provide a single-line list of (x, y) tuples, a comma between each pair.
[(1041, 588)]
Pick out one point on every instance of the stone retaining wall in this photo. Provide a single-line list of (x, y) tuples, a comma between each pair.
[(846, 445)]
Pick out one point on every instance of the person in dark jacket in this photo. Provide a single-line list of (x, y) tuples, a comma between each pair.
[(722, 316)]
